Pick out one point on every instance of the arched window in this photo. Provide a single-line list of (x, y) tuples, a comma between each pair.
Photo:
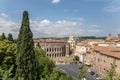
[(55, 54), (47, 49), (55, 49)]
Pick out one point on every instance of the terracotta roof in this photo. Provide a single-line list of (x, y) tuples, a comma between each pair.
[(110, 51), (90, 50)]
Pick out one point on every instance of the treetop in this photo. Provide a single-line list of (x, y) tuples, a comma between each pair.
[(25, 13)]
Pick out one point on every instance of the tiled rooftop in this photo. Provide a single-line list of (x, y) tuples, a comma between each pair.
[(110, 51)]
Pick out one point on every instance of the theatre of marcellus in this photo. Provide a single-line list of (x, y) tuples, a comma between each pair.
[(54, 48)]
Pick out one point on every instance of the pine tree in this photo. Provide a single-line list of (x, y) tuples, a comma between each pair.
[(10, 38), (26, 64), (38, 45), (2, 37)]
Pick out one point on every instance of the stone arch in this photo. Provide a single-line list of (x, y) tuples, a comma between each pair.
[(55, 54), (55, 49), (47, 49)]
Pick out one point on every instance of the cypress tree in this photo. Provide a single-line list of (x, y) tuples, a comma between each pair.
[(38, 45), (10, 38), (26, 64), (3, 37)]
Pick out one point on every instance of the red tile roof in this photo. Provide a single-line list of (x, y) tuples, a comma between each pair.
[(110, 51)]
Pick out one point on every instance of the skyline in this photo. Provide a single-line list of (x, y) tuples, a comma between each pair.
[(61, 18)]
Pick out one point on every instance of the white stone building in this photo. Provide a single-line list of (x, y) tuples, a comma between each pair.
[(72, 41), (80, 51)]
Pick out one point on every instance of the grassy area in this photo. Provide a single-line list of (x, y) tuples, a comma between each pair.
[(64, 59)]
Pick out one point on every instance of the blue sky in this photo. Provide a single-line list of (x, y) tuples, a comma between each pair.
[(60, 18)]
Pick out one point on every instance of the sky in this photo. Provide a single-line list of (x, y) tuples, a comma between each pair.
[(62, 18)]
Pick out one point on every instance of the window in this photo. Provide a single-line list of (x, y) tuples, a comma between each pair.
[(55, 49), (98, 59), (47, 49), (104, 69), (104, 61)]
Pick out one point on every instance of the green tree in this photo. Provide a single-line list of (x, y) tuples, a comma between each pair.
[(38, 45), (57, 75), (47, 69), (10, 38), (76, 58), (45, 65), (111, 73), (82, 72), (26, 63), (7, 59), (2, 37)]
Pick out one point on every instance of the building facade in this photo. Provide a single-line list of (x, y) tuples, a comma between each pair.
[(80, 50), (72, 41), (101, 58), (54, 48), (111, 38)]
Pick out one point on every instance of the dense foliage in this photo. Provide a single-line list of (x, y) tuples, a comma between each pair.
[(2, 37), (76, 58), (22, 61), (82, 72), (7, 59), (10, 38), (47, 69)]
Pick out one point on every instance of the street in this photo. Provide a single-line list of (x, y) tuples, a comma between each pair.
[(73, 70)]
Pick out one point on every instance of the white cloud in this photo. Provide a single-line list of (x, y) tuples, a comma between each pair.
[(55, 1), (3, 15), (8, 26), (45, 21), (113, 6), (48, 28), (60, 28), (64, 23), (54, 28), (112, 9)]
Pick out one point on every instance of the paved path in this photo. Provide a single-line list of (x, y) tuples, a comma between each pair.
[(73, 70)]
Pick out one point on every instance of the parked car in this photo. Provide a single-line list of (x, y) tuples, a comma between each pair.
[(98, 77), (92, 73)]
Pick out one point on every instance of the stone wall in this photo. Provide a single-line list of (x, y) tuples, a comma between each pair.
[(54, 49)]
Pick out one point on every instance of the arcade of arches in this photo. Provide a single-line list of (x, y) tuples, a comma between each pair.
[(54, 49)]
